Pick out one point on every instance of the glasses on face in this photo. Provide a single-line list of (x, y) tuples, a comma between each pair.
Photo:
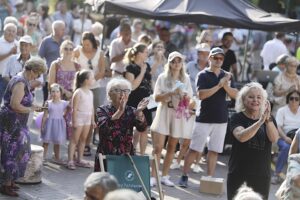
[(30, 24), (218, 58), (294, 98), (119, 91), (68, 49), (159, 47), (176, 62)]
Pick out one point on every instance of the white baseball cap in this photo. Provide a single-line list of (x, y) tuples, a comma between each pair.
[(27, 39), (203, 47), (175, 54)]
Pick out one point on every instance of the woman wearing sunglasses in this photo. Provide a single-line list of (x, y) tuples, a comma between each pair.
[(62, 71), (287, 118), (91, 57), (31, 29)]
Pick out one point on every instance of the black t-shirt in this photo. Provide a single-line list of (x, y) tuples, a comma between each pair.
[(144, 89), (214, 109), (229, 60), (252, 156)]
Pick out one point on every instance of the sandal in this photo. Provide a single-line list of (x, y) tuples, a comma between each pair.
[(87, 151), (14, 186), (71, 165), (7, 190), (84, 164), (58, 162)]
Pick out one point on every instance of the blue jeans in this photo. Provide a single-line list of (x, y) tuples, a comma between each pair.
[(283, 155), (3, 85)]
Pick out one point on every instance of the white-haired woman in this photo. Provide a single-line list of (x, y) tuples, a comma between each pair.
[(173, 92), (98, 184), (116, 120), (284, 83), (253, 131)]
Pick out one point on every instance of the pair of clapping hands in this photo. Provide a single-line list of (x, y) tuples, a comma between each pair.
[(141, 106), (225, 80)]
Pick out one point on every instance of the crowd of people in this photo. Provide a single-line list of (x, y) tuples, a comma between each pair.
[(90, 91)]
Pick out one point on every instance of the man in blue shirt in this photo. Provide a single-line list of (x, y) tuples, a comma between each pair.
[(49, 48), (213, 84)]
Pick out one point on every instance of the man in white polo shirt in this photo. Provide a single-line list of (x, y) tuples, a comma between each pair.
[(8, 46), (16, 62)]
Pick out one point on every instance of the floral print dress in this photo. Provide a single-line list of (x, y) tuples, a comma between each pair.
[(116, 135), (14, 133)]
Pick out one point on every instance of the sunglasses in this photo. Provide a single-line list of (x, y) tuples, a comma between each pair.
[(119, 91), (218, 58), (68, 49), (159, 47), (30, 24), (174, 62), (90, 64), (294, 98)]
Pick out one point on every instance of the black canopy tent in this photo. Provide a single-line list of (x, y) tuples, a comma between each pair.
[(227, 13)]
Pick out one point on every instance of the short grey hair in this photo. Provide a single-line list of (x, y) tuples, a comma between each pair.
[(57, 24), (292, 60), (113, 83), (11, 19), (36, 64), (101, 179), (122, 194), (247, 193), (239, 102)]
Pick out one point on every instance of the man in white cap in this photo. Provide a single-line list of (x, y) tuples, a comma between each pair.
[(213, 84), (195, 66), (16, 62)]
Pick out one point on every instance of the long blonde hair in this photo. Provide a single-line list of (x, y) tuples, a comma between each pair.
[(168, 74)]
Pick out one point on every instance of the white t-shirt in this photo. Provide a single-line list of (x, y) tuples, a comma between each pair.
[(271, 50), (5, 49), (117, 48), (287, 120)]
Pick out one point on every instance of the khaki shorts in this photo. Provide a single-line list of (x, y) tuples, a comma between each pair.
[(211, 133)]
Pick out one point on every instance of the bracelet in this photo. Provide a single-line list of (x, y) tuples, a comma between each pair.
[(268, 120)]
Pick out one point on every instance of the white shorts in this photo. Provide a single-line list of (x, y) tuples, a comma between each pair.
[(216, 133)]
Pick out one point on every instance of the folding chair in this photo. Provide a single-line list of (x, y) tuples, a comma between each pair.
[(132, 172)]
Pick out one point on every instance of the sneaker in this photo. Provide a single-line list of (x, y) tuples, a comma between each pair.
[(276, 179), (175, 165), (197, 169), (165, 180), (183, 182), (152, 182)]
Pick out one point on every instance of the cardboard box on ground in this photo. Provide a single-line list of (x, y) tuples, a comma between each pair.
[(211, 185)]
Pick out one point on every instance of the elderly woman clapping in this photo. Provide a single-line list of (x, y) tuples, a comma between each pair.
[(116, 121), (253, 131)]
